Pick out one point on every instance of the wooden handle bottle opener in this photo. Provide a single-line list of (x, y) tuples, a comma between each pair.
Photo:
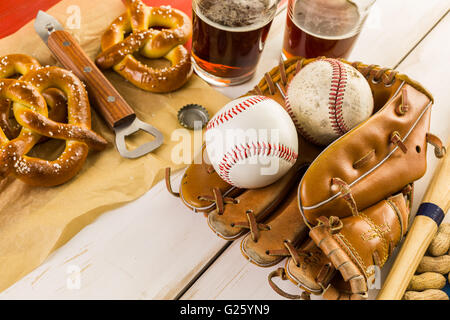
[(109, 103)]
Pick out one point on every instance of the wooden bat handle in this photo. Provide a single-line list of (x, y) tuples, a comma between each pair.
[(114, 109), (438, 191), (419, 236)]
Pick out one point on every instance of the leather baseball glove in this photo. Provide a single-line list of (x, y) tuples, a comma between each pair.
[(343, 256), (353, 197)]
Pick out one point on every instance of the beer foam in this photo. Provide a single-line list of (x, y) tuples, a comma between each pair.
[(329, 20), (235, 13)]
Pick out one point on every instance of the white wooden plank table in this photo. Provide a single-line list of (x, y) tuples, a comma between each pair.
[(428, 63), (155, 248)]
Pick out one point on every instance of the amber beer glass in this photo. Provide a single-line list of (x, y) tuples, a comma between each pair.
[(323, 27), (229, 37)]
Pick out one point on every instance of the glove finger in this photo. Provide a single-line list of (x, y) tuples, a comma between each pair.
[(304, 270), (251, 207), (364, 242), (198, 184), (342, 255), (285, 226)]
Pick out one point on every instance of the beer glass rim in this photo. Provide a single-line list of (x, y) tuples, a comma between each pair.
[(270, 9), (362, 5), (272, 3)]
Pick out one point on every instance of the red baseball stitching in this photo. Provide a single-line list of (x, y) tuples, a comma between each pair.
[(243, 152), (290, 111), (238, 108), (336, 97)]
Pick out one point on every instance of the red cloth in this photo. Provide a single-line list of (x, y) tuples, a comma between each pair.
[(16, 13)]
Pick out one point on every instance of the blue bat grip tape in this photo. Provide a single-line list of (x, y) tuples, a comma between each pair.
[(432, 211)]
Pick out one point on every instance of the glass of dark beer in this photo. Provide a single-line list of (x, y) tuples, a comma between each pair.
[(323, 27), (229, 37)]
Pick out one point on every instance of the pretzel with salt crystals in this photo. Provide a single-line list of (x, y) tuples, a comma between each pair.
[(20, 64), (30, 111), (117, 51)]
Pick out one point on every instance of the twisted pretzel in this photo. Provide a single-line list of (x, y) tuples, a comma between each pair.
[(117, 52), (30, 111), (20, 64)]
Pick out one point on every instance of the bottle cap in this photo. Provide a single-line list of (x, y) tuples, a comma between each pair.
[(192, 113)]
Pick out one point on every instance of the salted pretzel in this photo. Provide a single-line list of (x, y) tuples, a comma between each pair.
[(117, 51), (30, 111), (14, 65)]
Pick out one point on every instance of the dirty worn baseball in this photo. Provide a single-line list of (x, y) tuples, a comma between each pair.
[(326, 99), (251, 142)]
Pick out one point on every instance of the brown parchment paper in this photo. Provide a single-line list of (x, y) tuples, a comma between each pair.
[(36, 221)]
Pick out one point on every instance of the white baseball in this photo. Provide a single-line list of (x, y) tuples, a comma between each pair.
[(251, 142), (326, 99)]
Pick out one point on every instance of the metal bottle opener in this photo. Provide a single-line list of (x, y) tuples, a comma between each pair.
[(114, 109)]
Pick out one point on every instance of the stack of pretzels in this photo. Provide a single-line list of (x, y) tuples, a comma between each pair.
[(38, 103), (142, 23)]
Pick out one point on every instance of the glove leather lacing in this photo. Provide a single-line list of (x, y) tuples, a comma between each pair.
[(385, 75), (219, 200), (169, 184), (439, 149), (346, 193), (289, 251), (253, 225), (280, 272)]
